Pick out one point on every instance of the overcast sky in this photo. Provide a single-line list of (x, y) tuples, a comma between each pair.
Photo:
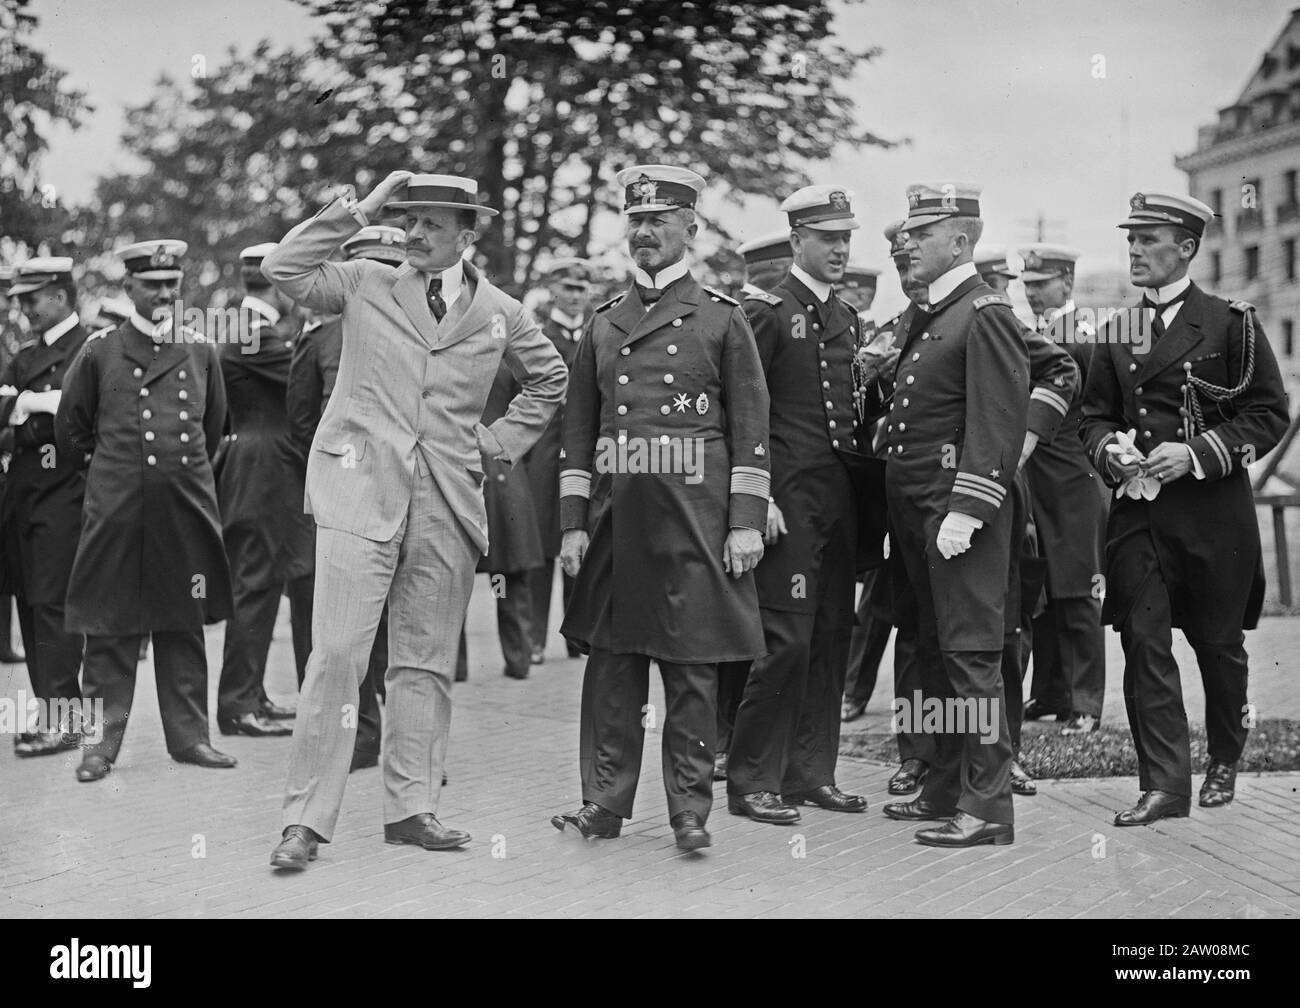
[(995, 91)]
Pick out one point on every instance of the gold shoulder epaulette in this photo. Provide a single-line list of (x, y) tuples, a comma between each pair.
[(1241, 306), (717, 295), (763, 296), (991, 299), (612, 302)]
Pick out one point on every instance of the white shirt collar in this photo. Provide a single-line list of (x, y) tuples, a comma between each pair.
[(1162, 294), (52, 334), (821, 291), (142, 323), (950, 281), (268, 311), (664, 277), (453, 279), (565, 320)]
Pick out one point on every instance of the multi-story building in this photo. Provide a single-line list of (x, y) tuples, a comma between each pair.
[(1247, 167)]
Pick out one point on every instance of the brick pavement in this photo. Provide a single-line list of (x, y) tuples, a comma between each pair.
[(158, 839)]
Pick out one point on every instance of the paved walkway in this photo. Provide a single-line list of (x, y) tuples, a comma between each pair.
[(157, 839)]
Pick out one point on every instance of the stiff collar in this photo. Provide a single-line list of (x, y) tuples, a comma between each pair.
[(54, 332), (821, 291), (950, 281), (1161, 295), (453, 279), (143, 324), (1056, 313), (267, 311), (565, 320), (663, 278)]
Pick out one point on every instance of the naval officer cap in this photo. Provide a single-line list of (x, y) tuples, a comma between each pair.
[(822, 208), (40, 272), (654, 188), (767, 248), (571, 272), (379, 242), (897, 239), (1047, 262), (455, 192), (991, 260), (859, 276), (931, 202), (1151, 209), (159, 259)]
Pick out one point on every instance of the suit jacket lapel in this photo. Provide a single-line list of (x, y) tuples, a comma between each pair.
[(476, 315), (625, 315), (413, 298), (1178, 340)]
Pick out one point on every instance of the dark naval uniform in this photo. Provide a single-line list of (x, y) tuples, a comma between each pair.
[(685, 378), (269, 540), (147, 416), (955, 432), (42, 516), (1189, 558), (786, 734), (1070, 502), (514, 539), (543, 465)]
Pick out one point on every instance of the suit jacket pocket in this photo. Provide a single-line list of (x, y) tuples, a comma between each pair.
[(349, 451)]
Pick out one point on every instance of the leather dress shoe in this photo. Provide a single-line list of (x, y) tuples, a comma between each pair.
[(910, 776), (689, 830), (1081, 724), (592, 821), (9, 656), (1220, 785), (93, 767), (424, 830), (274, 712), (1036, 710), (1021, 783), (916, 811), (720, 765), (538, 657), (851, 710), (964, 830), (517, 675), (764, 807), (297, 847), (202, 754), (45, 744), (574, 652), (364, 760), (1156, 805), (253, 724), (829, 797)]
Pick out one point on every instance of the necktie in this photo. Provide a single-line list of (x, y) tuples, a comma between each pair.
[(1157, 322), (436, 302), (649, 295)]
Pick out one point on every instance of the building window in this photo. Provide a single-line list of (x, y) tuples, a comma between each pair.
[(1288, 259), (1252, 262), (1287, 210), (1288, 338), (1289, 186), (1216, 268), (1216, 202)]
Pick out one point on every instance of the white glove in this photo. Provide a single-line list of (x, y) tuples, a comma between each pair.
[(955, 532)]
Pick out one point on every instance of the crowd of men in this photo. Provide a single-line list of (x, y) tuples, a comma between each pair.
[(753, 494)]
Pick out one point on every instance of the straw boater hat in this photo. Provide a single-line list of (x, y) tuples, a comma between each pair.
[(452, 191)]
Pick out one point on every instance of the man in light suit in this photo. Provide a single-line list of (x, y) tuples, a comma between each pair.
[(395, 483)]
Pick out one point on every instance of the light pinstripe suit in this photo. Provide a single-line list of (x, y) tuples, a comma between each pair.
[(394, 480)]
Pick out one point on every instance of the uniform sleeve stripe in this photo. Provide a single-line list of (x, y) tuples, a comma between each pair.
[(1099, 455), (748, 480), (981, 483), (575, 483), (1220, 449), (978, 495), (1051, 398)]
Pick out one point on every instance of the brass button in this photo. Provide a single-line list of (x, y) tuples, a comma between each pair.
[(916, 357), (1142, 411), (180, 375), (625, 351), (144, 392), (898, 450), (185, 460), (148, 435), (902, 427), (906, 402), (829, 404), (622, 439), (910, 379), (147, 414), (622, 379), (1132, 367), (665, 409), (668, 379), (151, 460), (831, 424), (925, 335), (835, 444), (826, 384), (185, 439), (672, 349), (138, 372), (183, 394), (622, 410), (1138, 390), (677, 322)]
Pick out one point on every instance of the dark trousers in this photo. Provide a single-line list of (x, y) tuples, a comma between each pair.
[(1013, 687), (1069, 650), (180, 670), (541, 580), (1153, 692), (867, 645), (514, 621), (615, 693), (732, 677), (300, 591), (907, 685), (53, 655), (248, 641)]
